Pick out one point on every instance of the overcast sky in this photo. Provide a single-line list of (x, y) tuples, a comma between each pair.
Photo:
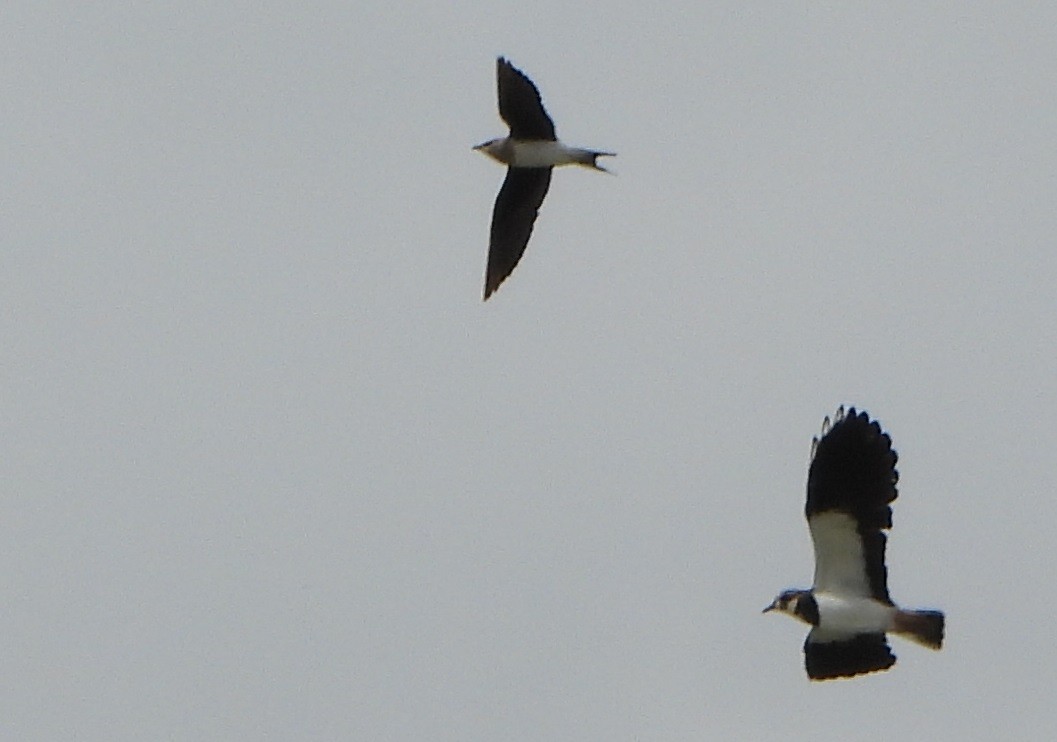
[(271, 469)]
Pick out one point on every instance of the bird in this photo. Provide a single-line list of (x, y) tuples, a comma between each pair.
[(530, 152), (851, 483)]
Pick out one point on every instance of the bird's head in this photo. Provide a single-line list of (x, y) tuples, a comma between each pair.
[(794, 603), (497, 149)]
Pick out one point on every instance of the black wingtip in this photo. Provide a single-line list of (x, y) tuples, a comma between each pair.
[(520, 104), (853, 454), (859, 655)]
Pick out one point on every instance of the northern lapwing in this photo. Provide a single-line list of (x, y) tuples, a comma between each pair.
[(850, 484), (530, 152)]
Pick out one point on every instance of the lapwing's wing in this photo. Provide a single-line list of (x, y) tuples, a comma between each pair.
[(515, 212), (832, 655), (520, 104), (851, 482)]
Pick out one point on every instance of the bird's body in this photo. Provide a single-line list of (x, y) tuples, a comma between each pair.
[(538, 153), (840, 613), (530, 153), (851, 482)]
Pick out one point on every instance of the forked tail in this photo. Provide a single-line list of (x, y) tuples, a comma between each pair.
[(923, 627), (589, 157)]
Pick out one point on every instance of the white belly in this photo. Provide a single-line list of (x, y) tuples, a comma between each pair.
[(542, 154), (855, 615)]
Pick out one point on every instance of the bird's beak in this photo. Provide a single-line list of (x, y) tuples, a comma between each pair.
[(479, 146), (769, 608)]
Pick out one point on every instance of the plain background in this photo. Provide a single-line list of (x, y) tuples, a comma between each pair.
[(270, 468)]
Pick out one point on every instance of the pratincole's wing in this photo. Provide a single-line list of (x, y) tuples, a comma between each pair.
[(515, 212), (520, 104)]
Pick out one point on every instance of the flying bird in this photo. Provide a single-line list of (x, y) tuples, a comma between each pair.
[(530, 152), (850, 484)]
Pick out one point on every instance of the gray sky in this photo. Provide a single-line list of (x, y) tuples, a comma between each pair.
[(272, 470)]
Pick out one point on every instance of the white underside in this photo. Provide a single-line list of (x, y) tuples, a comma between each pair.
[(843, 616), (840, 566), (544, 154)]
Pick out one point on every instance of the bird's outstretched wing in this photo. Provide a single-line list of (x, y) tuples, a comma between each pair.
[(850, 484), (828, 655), (515, 212), (520, 104)]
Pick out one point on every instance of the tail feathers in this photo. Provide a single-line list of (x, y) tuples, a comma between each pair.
[(589, 157), (923, 627)]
